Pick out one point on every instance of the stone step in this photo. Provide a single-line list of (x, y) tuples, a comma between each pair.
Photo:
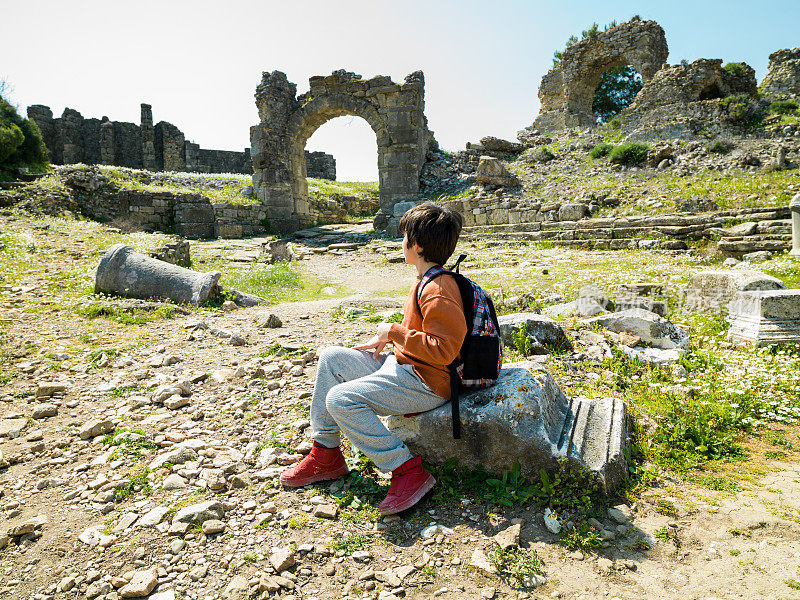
[(771, 242)]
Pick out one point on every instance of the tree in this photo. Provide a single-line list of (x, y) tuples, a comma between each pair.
[(615, 92), (21, 143)]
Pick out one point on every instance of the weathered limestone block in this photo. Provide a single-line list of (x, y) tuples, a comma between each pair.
[(713, 290), (526, 418), (574, 211), (794, 205), (652, 329), (492, 171), (765, 317), (125, 272), (542, 330)]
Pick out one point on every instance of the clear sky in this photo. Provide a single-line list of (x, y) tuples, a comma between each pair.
[(198, 62)]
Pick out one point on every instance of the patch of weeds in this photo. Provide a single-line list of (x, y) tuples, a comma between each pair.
[(719, 483), (124, 390), (517, 563), (521, 340), (136, 316), (350, 543), (775, 454), (6, 377), (581, 537), (738, 532), (297, 521), (129, 442), (395, 318), (735, 552), (219, 297), (428, 572), (632, 153), (272, 440), (137, 482), (277, 349), (98, 357), (666, 507), (668, 534), (793, 584), (602, 149), (641, 544)]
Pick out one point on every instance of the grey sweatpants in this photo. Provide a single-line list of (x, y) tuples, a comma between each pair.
[(352, 389)]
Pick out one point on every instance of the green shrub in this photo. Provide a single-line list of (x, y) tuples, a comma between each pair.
[(632, 153), (743, 109), (11, 138), (21, 143), (614, 123), (602, 149), (735, 68), (719, 147), (783, 107)]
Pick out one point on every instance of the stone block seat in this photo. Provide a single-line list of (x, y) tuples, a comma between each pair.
[(764, 317), (526, 418)]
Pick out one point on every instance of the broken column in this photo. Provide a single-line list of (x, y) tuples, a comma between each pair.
[(148, 138), (123, 271), (765, 317), (794, 206), (525, 418)]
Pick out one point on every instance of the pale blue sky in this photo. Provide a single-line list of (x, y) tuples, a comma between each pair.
[(198, 62)]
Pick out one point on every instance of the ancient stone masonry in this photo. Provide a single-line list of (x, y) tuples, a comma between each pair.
[(783, 76), (394, 111), (567, 90), (160, 147), (682, 99)]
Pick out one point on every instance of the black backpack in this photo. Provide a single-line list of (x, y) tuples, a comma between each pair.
[(481, 355)]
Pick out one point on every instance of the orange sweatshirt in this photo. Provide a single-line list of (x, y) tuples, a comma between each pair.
[(432, 340)]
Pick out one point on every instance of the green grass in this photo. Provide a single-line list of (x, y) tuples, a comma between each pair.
[(350, 543), (229, 194), (326, 187), (516, 563), (136, 316)]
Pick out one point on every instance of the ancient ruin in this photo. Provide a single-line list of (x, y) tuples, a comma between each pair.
[(783, 77), (72, 138), (394, 111), (567, 90)]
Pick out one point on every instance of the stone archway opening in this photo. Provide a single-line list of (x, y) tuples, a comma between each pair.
[(352, 142), (616, 91), (395, 112)]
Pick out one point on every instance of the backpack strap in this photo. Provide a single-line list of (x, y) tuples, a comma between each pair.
[(467, 300)]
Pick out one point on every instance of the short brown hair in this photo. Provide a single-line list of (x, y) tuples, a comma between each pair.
[(435, 228)]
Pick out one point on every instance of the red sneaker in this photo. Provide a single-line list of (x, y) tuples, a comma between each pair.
[(410, 482), (321, 464)]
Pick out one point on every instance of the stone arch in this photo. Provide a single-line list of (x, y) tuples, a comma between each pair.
[(310, 117), (567, 90), (395, 112)]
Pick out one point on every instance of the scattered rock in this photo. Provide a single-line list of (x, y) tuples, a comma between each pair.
[(141, 584)]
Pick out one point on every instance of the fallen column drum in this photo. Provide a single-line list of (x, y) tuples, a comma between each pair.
[(125, 272)]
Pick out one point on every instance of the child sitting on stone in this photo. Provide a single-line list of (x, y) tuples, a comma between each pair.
[(356, 385)]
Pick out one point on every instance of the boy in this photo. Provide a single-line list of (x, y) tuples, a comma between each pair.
[(355, 385)]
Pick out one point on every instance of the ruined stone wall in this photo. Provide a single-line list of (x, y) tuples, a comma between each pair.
[(320, 165), (189, 215), (783, 76), (567, 90), (72, 138), (394, 111)]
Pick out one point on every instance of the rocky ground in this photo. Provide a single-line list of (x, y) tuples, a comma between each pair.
[(141, 445)]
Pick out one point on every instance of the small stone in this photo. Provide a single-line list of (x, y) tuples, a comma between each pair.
[(237, 589), (480, 562), (174, 482), (488, 593), (361, 555), (604, 564), (44, 411), (281, 559), (273, 322), (141, 584), (176, 401), (551, 522), (213, 526), (620, 514), (508, 538), (326, 511), (95, 427)]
